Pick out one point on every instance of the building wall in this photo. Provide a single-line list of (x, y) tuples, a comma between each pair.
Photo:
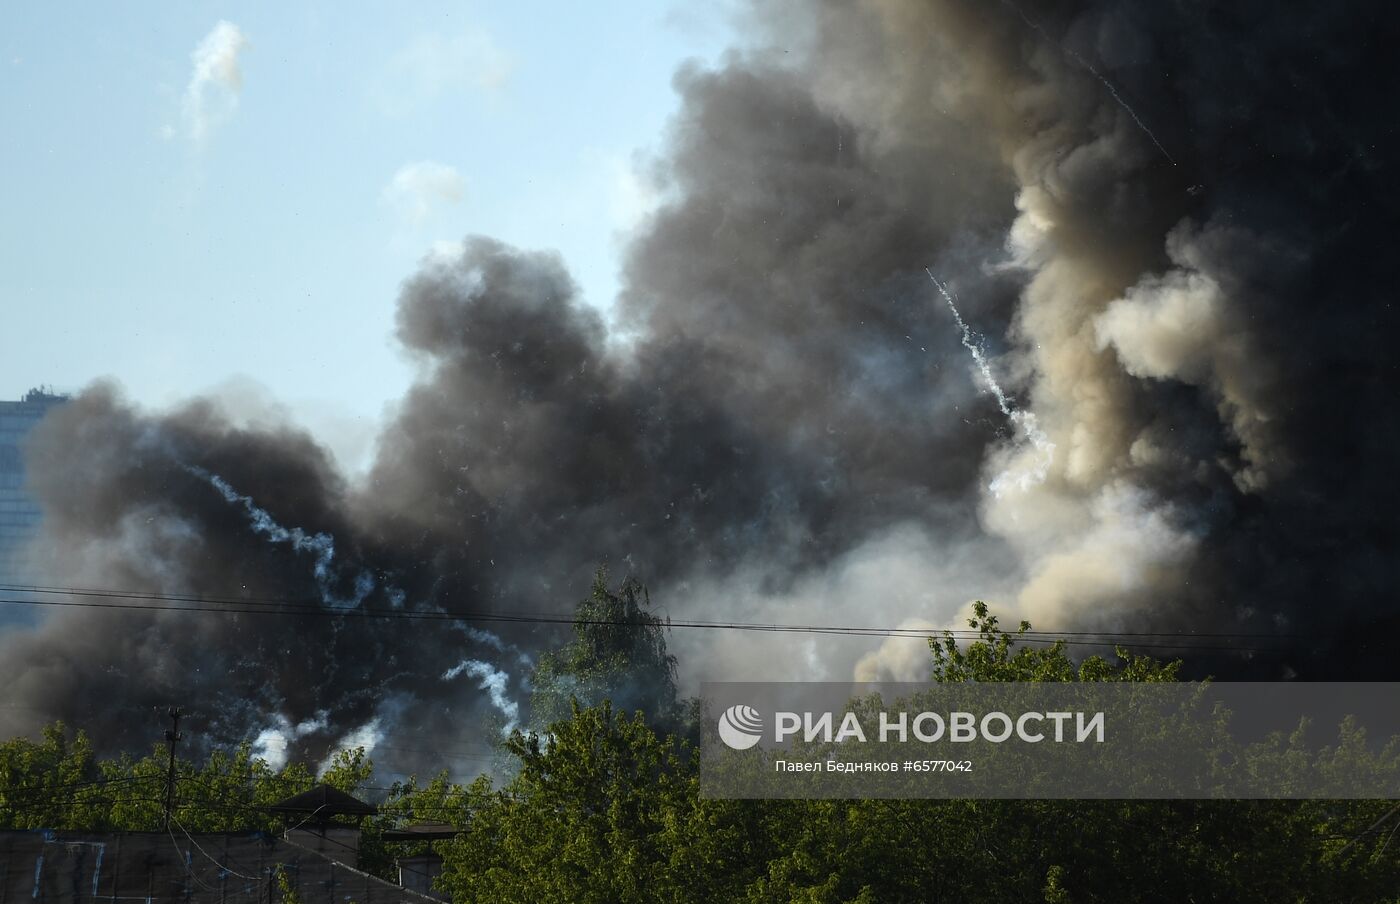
[(419, 873), (19, 513), (336, 842)]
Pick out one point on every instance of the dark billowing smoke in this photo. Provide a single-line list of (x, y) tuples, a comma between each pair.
[(1166, 218)]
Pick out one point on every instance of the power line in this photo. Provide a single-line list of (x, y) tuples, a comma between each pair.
[(189, 868), (293, 607), (850, 631), (32, 798), (313, 604), (482, 756), (1375, 825), (442, 810)]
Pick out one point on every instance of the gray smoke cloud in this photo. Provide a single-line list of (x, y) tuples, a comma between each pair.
[(1159, 224)]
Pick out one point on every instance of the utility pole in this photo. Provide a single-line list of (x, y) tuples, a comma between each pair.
[(172, 735)]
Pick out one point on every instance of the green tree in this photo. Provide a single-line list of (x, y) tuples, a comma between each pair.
[(602, 810), (50, 781), (439, 800), (617, 654), (58, 783), (605, 809), (996, 656), (1081, 851)]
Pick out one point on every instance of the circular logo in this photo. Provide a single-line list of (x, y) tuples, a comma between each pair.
[(740, 727)]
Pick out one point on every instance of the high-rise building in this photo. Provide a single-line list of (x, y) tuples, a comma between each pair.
[(19, 514)]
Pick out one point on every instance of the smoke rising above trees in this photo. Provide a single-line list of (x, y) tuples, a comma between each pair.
[(781, 418)]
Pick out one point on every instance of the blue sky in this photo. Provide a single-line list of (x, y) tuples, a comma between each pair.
[(202, 197)]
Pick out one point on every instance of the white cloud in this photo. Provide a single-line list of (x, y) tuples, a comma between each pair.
[(212, 93), (433, 65), (418, 188)]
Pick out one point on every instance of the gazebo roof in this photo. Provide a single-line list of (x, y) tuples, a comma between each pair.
[(323, 801)]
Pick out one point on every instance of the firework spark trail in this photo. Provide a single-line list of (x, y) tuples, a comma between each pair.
[(1122, 103), (975, 347), (1024, 421), (493, 681), (322, 546), (1113, 92)]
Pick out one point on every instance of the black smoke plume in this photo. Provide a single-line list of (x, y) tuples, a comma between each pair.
[(1169, 220)]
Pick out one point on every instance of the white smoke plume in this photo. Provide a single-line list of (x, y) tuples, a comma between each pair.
[(216, 80), (1191, 360), (416, 190), (494, 681)]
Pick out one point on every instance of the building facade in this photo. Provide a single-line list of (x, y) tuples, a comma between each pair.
[(19, 513)]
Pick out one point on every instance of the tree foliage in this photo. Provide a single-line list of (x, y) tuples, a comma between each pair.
[(58, 783), (605, 807), (995, 656), (617, 654)]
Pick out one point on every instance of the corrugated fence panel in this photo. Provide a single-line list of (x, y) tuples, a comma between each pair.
[(120, 868)]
